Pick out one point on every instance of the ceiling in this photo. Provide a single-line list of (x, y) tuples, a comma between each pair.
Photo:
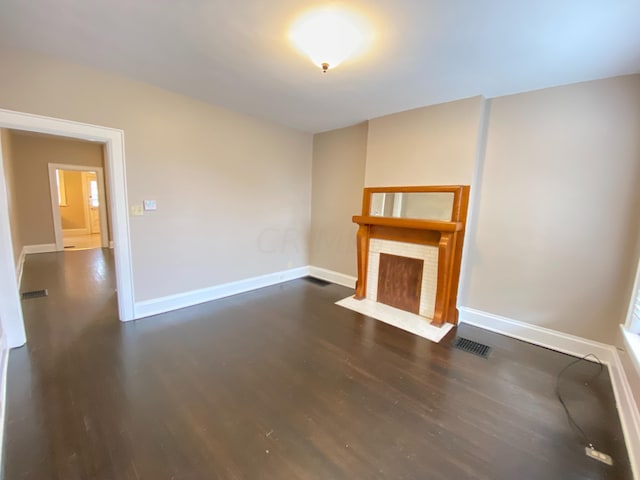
[(236, 54)]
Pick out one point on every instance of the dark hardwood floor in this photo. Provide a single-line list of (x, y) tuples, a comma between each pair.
[(280, 383)]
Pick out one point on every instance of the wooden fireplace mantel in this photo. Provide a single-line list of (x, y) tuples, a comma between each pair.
[(448, 236), (435, 225)]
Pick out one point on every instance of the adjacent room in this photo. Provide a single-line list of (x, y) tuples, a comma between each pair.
[(311, 240), (78, 207), (57, 184)]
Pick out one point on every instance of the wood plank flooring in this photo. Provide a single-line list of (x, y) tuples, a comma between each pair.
[(280, 383)]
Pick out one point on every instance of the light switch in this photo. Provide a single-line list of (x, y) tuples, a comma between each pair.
[(150, 205), (136, 210)]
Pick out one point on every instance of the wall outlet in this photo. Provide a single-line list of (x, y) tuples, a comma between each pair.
[(595, 454), (136, 210)]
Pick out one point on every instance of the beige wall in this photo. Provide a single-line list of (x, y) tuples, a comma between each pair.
[(7, 156), (31, 157), (72, 214), (559, 208), (433, 145), (233, 191), (338, 179)]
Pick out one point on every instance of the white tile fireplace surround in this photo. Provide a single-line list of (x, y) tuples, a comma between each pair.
[(427, 253), (416, 324)]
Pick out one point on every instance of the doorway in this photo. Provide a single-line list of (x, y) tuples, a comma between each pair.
[(79, 207), (113, 139)]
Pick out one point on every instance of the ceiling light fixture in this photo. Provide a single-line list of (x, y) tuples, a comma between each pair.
[(329, 35)]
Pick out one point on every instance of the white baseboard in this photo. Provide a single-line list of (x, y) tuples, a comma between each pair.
[(160, 305), (333, 277), (42, 248), (20, 267), (76, 231), (579, 347), (156, 306), (545, 337)]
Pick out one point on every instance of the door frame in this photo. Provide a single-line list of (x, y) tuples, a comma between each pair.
[(55, 207), (113, 139)]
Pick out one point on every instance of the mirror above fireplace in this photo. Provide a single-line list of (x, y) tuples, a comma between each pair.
[(418, 205)]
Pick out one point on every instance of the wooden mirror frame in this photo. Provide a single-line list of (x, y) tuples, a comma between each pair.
[(448, 236)]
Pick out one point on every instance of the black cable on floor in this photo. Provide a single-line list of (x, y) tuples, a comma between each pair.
[(570, 419)]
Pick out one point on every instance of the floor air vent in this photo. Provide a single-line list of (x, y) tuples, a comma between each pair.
[(34, 294), (472, 347), (317, 281)]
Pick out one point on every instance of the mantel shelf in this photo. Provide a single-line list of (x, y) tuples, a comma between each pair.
[(434, 225)]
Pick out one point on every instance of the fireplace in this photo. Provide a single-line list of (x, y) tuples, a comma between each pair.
[(400, 282), (412, 264), (424, 286)]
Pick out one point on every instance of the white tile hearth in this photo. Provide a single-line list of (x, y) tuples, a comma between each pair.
[(398, 318)]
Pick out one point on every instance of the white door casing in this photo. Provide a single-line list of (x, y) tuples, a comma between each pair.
[(10, 307)]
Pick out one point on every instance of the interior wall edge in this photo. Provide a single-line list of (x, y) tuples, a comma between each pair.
[(474, 200), (337, 197), (12, 332), (20, 269)]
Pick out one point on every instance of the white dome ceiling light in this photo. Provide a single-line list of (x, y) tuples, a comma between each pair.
[(330, 35)]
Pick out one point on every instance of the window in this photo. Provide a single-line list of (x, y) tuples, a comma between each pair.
[(633, 316), (631, 332), (93, 194), (62, 191), (635, 321)]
